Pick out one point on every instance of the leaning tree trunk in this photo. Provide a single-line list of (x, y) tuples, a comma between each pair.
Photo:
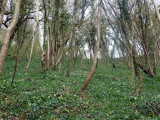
[(8, 34), (2, 12), (39, 35), (156, 8), (86, 83)]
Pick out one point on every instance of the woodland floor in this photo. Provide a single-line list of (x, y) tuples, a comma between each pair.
[(47, 95)]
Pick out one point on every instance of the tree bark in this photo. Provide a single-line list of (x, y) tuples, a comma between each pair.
[(48, 47), (39, 35), (70, 39), (2, 12), (137, 72), (8, 34), (33, 39), (59, 69), (87, 81), (156, 8)]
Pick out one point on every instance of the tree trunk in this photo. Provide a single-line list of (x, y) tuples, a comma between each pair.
[(87, 81), (39, 35), (82, 63), (33, 39), (15, 67), (59, 69), (156, 8), (70, 39), (2, 12), (137, 72), (133, 74), (48, 47), (128, 60), (8, 34), (90, 51), (154, 50), (54, 54)]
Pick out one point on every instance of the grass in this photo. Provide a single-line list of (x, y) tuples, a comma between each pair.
[(48, 95)]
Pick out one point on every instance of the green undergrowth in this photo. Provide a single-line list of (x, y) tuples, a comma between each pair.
[(48, 95)]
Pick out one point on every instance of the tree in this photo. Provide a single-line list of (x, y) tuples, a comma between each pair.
[(39, 35), (87, 81), (32, 45), (71, 39), (8, 34), (156, 8), (2, 12)]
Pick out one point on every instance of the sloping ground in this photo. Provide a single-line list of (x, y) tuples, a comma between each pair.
[(47, 95)]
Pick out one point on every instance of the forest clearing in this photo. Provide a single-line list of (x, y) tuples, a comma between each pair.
[(79, 59)]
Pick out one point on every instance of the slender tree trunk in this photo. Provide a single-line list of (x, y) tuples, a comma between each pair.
[(136, 68), (90, 52), (58, 60), (154, 50), (87, 81), (8, 34), (33, 39), (85, 56), (48, 44), (70, 39), (137, 72), (82, 63), (133, 74), (154, 63), (156, 8), (54, 54), (132, 61), (39, 35), (15, 67), (2, 12), (128, 60), (59, 69)]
